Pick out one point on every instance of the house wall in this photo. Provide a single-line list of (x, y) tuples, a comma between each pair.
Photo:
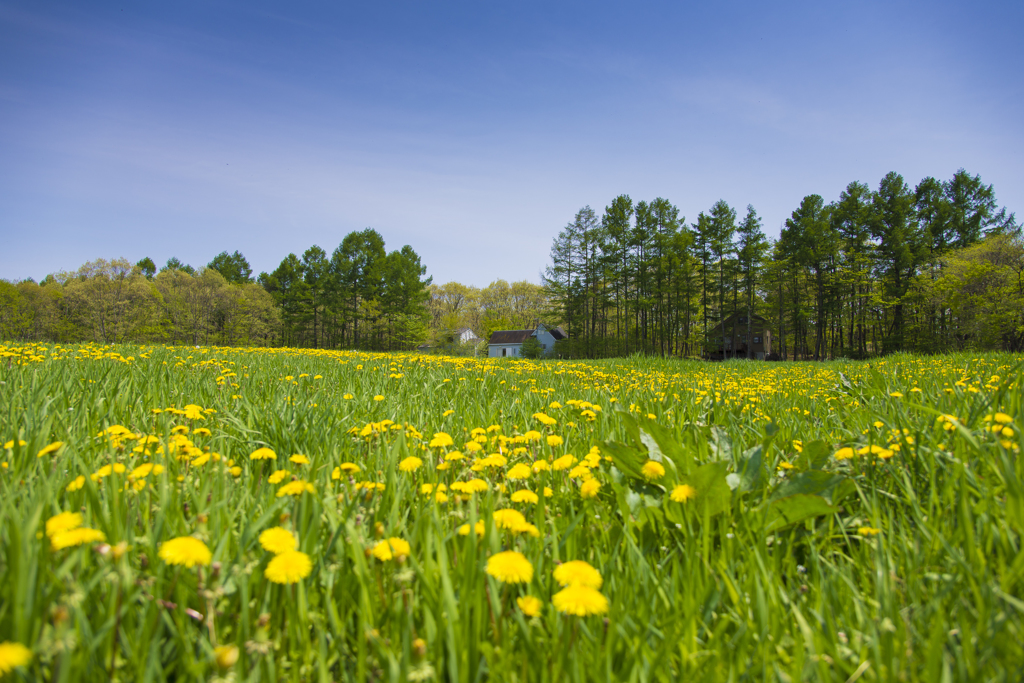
[(512, 350), (547, 340)]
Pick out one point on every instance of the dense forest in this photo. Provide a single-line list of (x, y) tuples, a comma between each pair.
[(934, 268), (930, 269)]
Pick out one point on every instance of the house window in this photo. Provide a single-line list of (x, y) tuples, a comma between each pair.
[(757, 340), (504, 350), (743, 320)]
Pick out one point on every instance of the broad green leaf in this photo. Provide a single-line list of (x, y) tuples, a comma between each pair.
[(814, 482), (795, 509)]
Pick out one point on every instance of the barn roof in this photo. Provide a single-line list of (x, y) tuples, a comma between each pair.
[(510, 336)]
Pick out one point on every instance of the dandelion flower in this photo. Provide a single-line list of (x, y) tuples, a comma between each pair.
[(520, 471), (508, 519), (683, 493), (52, 448), (868, 531), (541, 466), (441, 440), (563, 463), (278, 540), (13, 655), (529, 605), (65, 521), (349, 467), (554, 440), (577, 572), (289, 567), (295, 488), (76, 483), (410, 464), (226, 655), (590, 488), (143, 471), (524, 496), (580, 600), (73, 537), (510, 567), (844, 453), (299, 459), (186, 551), (652, 470), (479, 526), (263, 454), (391, 548)]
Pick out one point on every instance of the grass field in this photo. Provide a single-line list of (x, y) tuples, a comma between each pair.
[(299, 515)]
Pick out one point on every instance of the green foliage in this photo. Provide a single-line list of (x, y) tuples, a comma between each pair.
[(531, 348), (789, 561)]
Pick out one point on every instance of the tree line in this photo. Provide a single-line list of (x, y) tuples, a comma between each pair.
[(359, 297), (873, 272)]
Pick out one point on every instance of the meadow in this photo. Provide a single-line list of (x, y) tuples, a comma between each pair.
[(177, 513)]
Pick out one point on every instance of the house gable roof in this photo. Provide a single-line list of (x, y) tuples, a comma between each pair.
[(510, 336)]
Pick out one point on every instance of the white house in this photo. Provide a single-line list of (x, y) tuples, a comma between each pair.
[(509, 343), (465, 335)]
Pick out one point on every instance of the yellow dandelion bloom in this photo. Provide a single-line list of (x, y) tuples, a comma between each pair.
[(278, 540), (589, 488), (76, 483), (226, 655), (541, 466), (13, 655), (868, 531), (563, 463), (529, 605), (289, 567), (410, 464), (391, 548), (277, 477), (378, 397), (65, 521), (577, 572), (532, 435), (581, 471), (508, 519), (545, 419), (73, 537), (349, 467), (263, 454), (299, 459), (683, 493), (185, 551), (579, 600), (441, 440), (202, 431), (479, 526), (653, 470), (143, 471), (52, 448), (845, 453), (510, 567), (295, 488), (524, 496)]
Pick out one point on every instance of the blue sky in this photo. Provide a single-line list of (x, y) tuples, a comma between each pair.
[(473, 131)]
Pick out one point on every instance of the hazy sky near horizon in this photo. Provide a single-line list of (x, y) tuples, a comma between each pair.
[(473, 131)]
